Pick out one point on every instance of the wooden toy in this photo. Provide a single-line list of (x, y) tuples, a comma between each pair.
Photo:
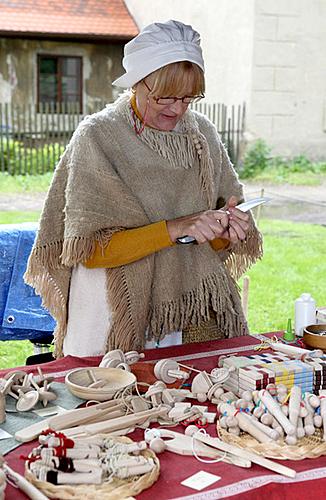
[(98, 412), (318, 421), (93, 413), (266, 419), (3, 484), (294, 405), (24, 388), (88, 452), (281, 393), (309, 426), (314, 400), (294, 351), (45, 395), (119, 359), (167, 397), (112, 359), (20, 482), (157, 445), (133, 357), (247, 423), (121, 468), (16, 376), (248, 455), (259, 371), (27, 400), (322, 397), (155, 393), (115, 423), (136, 470), (139, 404), (234, 430), (168, 371), (276, 411), (43, 473), (201, 385), (183, 444), (300, 429)]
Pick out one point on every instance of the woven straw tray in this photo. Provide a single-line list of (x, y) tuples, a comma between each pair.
[(114, 489), (307, 447)]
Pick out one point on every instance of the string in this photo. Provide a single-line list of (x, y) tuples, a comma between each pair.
[(137, 390), (143, 122), (214, 461)]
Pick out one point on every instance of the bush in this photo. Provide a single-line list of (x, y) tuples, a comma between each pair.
[(256, 159), (298, 164), (259, 163), (18, 159)]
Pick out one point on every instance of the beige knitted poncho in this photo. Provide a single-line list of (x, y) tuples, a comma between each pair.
[(109, 179)]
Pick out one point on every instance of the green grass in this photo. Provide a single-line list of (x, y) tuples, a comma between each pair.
[(292, 264), (14, 352), (273, 175), (24, 183), (279, 176), (15, 217)]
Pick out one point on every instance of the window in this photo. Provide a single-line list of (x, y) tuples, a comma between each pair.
[(60, 80)]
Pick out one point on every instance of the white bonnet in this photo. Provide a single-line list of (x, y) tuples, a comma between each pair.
[(157, 45)]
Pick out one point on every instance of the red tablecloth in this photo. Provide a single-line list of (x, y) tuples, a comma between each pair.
[(235, 482)]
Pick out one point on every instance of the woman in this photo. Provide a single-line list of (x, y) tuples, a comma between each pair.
[(135, 178)]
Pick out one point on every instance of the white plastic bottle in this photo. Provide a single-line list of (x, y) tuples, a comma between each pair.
[(304, 313)]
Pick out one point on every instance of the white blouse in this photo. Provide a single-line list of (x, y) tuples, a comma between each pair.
[(89, 316)]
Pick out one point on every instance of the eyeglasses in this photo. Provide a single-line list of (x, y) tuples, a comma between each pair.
[(187, 99)]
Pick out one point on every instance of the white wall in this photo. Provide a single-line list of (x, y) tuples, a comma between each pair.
[(226, 28)]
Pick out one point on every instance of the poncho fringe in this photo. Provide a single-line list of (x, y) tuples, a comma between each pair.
[(38, 275), (244, 254), (195, 307), (118, 297)]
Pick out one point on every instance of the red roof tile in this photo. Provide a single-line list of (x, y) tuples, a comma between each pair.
[(89, 18)]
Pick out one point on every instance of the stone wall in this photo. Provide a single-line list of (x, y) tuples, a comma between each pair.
[(18, 68), (287, 105)]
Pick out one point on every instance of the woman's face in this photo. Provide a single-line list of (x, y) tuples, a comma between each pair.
[(161, 117)]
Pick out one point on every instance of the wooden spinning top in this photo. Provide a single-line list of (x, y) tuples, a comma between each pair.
[(169, 371)]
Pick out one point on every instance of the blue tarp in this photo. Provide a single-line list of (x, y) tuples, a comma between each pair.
[(21, 313)]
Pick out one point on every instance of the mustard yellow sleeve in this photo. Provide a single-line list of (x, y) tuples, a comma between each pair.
[(130, 245), (219, 244)]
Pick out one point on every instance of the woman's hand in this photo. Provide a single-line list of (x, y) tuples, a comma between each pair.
[(228, 223), (203, 226), (238, 222)]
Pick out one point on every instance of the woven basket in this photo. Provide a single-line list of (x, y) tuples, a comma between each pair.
[(307, 447), (204, 332), (115, 489)]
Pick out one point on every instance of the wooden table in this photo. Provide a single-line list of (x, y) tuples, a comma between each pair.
[(235, 482)]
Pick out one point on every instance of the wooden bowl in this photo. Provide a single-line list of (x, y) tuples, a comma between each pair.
[(79, 380), (315, 336)]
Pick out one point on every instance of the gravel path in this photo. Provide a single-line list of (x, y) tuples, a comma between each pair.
[(295, 203)]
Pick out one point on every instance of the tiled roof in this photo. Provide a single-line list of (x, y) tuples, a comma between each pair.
[(79, 18)]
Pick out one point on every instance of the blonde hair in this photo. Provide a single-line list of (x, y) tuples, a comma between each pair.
[(174, 78)]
